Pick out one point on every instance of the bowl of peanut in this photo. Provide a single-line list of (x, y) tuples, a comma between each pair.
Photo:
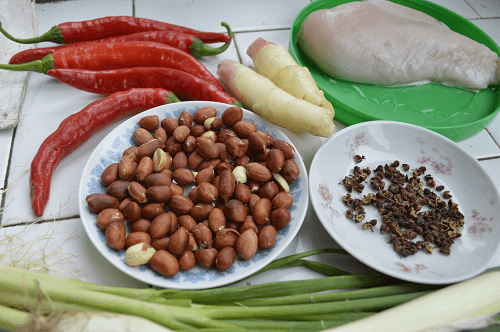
[(193, 195)]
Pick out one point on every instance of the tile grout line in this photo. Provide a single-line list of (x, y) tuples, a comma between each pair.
[(6, 180)]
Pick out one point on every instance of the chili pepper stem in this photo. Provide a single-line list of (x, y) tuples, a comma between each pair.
[(39, 66), (53, 35), (199, 49)]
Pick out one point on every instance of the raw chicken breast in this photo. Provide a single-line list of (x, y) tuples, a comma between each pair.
[(380, 42)]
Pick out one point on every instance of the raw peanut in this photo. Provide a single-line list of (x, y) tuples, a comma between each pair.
[(186, 260), (226, 237), (204, 113), (251, 153), (224, 134), (107, 216), (206, 148), (211, 163), (258, 172), (211, 135), (267, 237), (137, 192), (203, 236), (132, 211), (159, 194), (226, 185), (141, 136), (205, 175), (187, 222), (256, 142), (137, 237), (185, 119), (193, 195), (110, 174), (225, 258), (247, 244), (139, 254), (216, 220), (287, 149), (115, 235), (201, 211), (192, 245), (223, 166), (176, 189), (161, 135), (160, 226), (282, 183), (241, 161), (183, 176), (232, 225), (231, 116), (213, 124), (242, 193), (173, 226), (132, 177), (152, 210), (164, 263), (118, 189), (194, 160), (268, 138), (131, 152), (125, 167), (249, 224), (180, 133), (180, 204), (216, 182), (235, 210), (280, 218), (254, 198), (240, 174), (98, 202), (160, 160), (263, 156), (290, 170), (261, 211), (207, 192), (172, 146), (179, 160), (157, 179), (275, 160), (148, 149), (123, 203), (198, 130), (149, 122), (160, 244), (169, 125), (236, 147), (144, 168), (206, 257), (244, 128), (178, 241), (141, 225), (269, 190), (188, 146), (282, 200)]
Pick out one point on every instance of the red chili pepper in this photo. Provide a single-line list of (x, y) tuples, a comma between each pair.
[(184, 85), (110, 26), (128, 54), (79, 127), (185, 42)]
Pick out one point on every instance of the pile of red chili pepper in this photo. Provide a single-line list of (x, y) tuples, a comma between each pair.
[(140, 63)]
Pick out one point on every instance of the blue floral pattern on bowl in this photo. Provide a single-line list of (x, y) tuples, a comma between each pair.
[(113, 153)]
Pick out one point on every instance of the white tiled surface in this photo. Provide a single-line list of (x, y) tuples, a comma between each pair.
[(48, 102)]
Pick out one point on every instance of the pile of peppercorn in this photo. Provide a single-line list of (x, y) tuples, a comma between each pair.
[(408, 209)]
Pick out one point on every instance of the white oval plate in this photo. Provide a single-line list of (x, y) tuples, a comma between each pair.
[(110, 150), (382, 142)]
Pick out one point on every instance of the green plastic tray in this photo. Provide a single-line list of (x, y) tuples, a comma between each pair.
[(452, 112)]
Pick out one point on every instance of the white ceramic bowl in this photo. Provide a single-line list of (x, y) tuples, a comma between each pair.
[(110, 150), (382, 142)]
